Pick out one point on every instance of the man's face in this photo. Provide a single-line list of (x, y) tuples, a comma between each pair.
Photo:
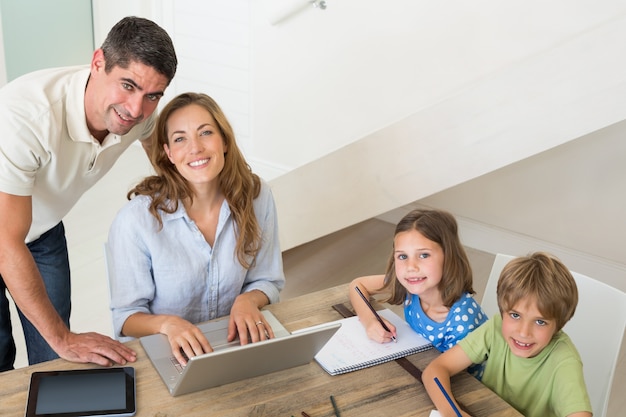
[(118, 101)]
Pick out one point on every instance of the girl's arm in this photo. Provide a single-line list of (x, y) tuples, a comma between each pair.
[(370, 285), (443, 368)]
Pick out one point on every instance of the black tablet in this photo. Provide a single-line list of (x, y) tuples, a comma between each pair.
[(83, 392)]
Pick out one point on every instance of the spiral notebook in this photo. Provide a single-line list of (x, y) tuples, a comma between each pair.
[(350, 349)]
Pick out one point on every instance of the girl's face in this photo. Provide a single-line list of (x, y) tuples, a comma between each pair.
[(419, 262), (195, 144), (525, 330)]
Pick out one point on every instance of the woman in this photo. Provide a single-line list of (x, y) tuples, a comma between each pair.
[(198, 240)]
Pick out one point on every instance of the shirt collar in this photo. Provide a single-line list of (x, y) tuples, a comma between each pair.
[(76, 117), (181, 212)]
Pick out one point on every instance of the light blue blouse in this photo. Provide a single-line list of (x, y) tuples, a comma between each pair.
[(175, 271)]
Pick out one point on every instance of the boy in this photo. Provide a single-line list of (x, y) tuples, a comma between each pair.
[(531, 363)]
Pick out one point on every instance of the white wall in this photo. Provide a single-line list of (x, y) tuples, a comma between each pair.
[(108, 12), (3, 69), (324, 79), (212, 40), (566, 201), (32, 30), (489, 80), (213, 45)]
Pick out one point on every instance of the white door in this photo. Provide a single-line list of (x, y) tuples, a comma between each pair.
[(40, 34)]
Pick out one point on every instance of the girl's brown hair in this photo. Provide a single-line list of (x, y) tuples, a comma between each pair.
[(237, 181), (440, 227)]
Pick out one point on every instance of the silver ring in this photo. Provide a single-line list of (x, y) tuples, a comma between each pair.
[(259, 322)]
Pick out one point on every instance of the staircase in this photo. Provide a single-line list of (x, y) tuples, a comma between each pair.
[(570, 90)]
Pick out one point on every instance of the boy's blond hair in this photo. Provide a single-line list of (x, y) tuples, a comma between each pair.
[(543, 278)]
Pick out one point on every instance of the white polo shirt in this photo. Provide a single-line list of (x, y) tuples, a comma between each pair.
[(46, 150)]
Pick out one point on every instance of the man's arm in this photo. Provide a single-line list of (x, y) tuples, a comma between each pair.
[(24, 282)]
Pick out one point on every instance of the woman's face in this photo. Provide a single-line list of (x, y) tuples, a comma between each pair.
[(195, 145)]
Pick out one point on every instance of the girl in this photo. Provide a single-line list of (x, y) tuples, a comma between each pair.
[(429, 272), (198, 240)]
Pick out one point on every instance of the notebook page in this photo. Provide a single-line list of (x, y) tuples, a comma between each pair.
[(350, 349)]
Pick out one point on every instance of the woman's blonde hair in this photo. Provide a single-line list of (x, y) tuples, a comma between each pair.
[(440, 227), (237, 182)]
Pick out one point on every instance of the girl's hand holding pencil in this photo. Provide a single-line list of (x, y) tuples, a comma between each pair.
[(378, 318)]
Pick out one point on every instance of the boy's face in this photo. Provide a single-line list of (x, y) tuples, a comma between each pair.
[(525, 330)]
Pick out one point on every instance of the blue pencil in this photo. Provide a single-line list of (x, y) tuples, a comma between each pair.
[(445, 394)]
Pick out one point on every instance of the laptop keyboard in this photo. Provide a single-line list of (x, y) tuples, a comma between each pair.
[(179, 366)]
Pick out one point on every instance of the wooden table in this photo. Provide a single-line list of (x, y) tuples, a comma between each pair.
[(381, 390)]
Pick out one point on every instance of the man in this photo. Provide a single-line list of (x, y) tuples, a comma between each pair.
[(61, 130)]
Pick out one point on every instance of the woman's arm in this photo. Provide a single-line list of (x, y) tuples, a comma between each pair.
[(183, 336), (266, 275), (264, 279), (246, 318)]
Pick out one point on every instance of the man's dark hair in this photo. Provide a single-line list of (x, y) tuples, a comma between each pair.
[(135, 39)]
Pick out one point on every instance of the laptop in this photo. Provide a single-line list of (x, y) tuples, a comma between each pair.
[(230, 362)]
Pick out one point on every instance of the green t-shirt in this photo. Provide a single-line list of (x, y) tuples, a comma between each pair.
[(550, 384)]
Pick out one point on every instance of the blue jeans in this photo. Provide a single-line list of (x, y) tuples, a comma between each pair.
[(50, 254)]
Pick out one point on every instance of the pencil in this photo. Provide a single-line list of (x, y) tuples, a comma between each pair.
[(382, 323), (445, 394), (332, 401)]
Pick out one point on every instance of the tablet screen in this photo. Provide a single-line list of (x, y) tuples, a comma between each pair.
[(83, 392)]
